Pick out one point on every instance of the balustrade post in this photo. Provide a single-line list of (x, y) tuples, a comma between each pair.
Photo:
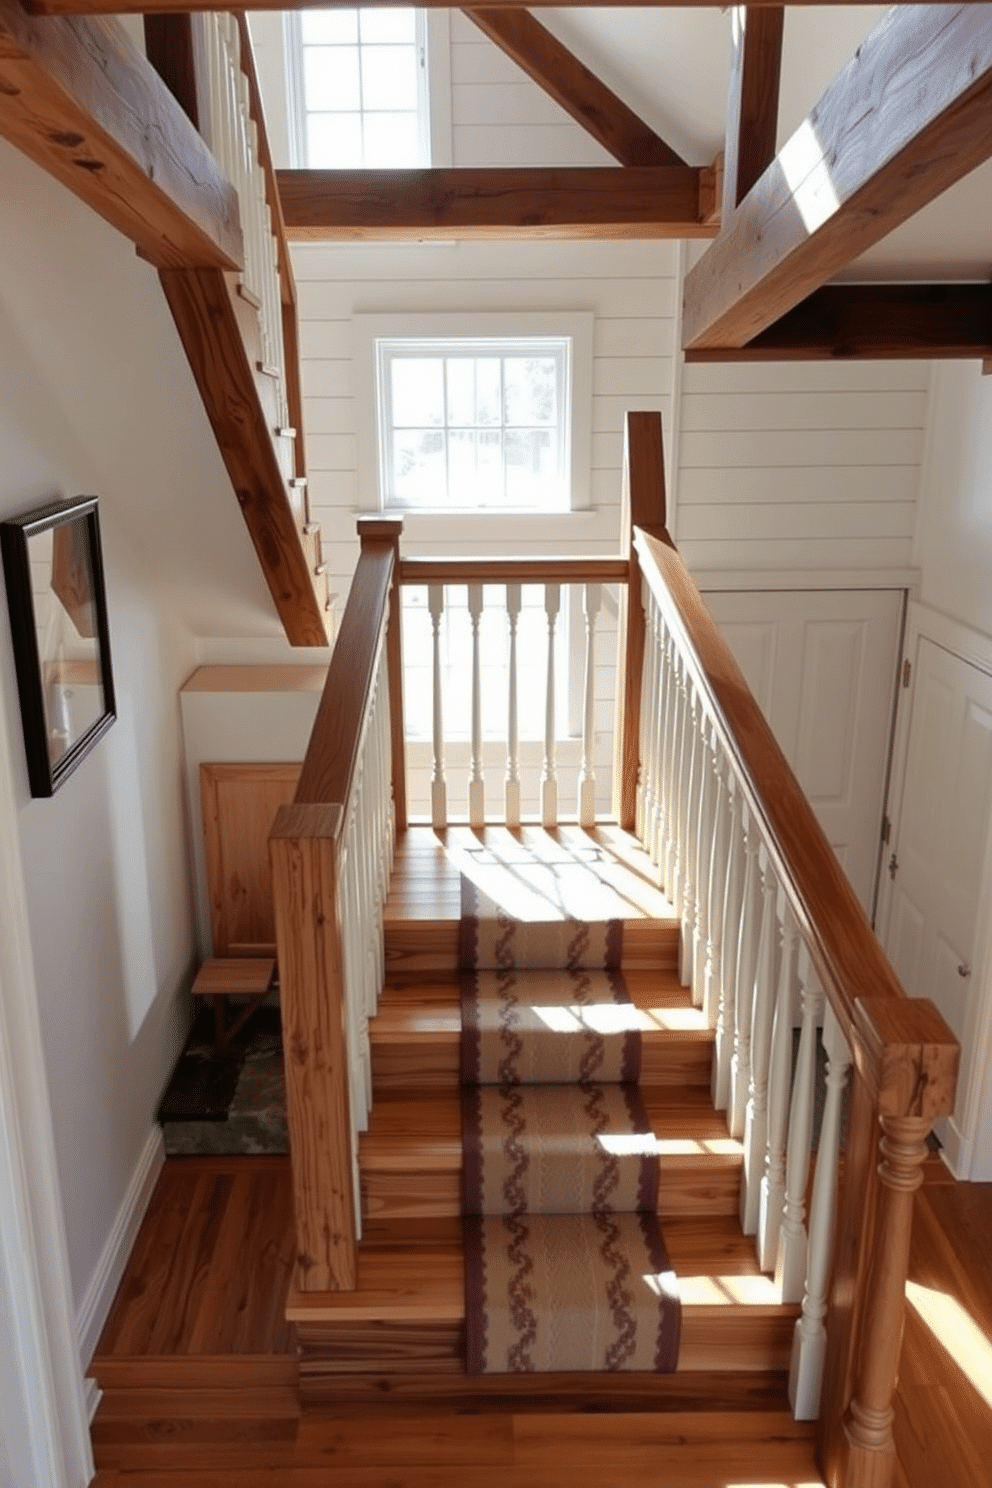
[(439, 788), (549, 776), (790, 1266), (512, 782), (592, 600), (476, 784)]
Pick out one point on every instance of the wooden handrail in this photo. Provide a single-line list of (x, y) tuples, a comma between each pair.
[(335, 742), (513, 570)]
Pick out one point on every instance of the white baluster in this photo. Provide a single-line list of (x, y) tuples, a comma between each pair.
[(747, 955), (704, 853), (549, 777), (730, 918), (592, 600), (656, 826), (688, 820), (779, 1091), (512, 783), (762, 1012), (790, 1267), (809, 1340), (439, 789), (646, 783), (670, 770), (715, 888), (476, 784)]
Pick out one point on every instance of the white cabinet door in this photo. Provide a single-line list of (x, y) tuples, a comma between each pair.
[(942, 824), (822, 666)]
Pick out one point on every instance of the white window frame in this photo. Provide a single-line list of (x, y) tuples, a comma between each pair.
[(433, 33), (496, 332)]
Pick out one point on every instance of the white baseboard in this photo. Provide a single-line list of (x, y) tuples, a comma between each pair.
[(94, 1308)]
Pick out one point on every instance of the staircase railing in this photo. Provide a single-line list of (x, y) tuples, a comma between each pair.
[(767, 919), (332, 853)]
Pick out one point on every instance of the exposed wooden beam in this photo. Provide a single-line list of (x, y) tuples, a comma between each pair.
[(597, 202), (873, 322), (752, 107), (906, 118), (80, 99), (571, 84), (124, 7), (201, 302)]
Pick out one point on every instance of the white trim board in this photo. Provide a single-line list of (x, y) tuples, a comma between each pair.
[(97, 1300), (760, 580)]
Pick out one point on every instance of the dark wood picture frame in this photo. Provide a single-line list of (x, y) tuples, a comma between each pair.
[(53, 566)]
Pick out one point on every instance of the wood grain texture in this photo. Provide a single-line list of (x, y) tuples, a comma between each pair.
[(238, 804), (510, 202), (872, 322), (302, 848), (80, 99), (335, 740), (901, 123), (752, 107), (201, 301), (513, 570), (577, 90)]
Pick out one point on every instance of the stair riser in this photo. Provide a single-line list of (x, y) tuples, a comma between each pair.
[(401, 1069), (432, 945)]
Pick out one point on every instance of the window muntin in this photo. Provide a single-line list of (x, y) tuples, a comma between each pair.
[(470, 424), (360, 88)]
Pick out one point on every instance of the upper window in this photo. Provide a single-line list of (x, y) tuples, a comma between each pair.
[(359, 86)]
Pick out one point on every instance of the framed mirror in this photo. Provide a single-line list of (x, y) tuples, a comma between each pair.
[(53, 569)]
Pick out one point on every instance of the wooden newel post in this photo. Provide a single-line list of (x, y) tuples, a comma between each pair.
[(642, 505), (377, 529), (303, 853)]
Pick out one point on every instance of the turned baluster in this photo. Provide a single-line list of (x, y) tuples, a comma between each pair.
[(476, 784), (689, 814), (549, 777), (658, 825), (730, 921), (673, 704), (679, 765), (715, 888), (439, 788), (703, 860), (779, 1090), (592, 600), (747, 955), (762, 1011), (790, 1267), (512, 782), (809, 1339), (646, 780)]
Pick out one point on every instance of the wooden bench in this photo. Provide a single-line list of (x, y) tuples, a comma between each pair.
[(234, 976)]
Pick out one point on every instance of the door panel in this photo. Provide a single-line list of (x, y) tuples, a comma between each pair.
[(822, 666)]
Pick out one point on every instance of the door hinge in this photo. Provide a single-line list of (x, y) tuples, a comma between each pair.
[(893, 867), (886, 829), (907, 672)]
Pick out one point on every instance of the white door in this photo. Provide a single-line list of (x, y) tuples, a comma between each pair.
[(822, 666), (930, 905)]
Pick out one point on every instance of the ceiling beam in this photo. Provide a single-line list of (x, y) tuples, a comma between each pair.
[(577, 90), (119, 7), (79, 98), (752, 107), (560, 202), (906, 118), (873, 322)]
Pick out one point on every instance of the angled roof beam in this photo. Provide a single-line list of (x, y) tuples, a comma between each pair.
[(78, 97), (873, 322), (752, 107), (569, 202), (905, 119), (577, 90)]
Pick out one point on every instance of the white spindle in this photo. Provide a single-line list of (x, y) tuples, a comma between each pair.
[(779, 1090), (592, 600), (718, 835), (476, 784), (512, 784), (678, 796), (688, 821), (439, 789), (670, 768), (656, 826), (747, 955), (762, 1012), (790, 1268), (730, 914), (809, 1341), (549, 777), (704, 853), (646, 776)]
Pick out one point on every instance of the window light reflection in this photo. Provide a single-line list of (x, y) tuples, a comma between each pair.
[(607, 1017), (808, 176), (960, 1335)]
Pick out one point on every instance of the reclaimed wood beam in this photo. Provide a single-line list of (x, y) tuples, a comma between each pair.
[(574, 87), (752, 106), (79, 98), (569, 202), (873, 322), (905, 119)]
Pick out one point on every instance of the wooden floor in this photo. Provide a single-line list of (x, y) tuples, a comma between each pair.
[(199, 1367)]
